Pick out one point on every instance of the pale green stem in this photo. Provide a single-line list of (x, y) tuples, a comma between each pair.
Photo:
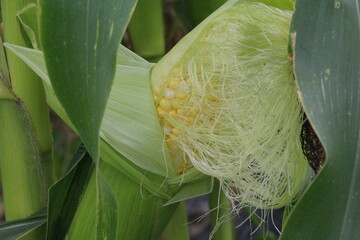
[(220, 207), (146, 29), (27, 85), (24, 190), (25, 139)]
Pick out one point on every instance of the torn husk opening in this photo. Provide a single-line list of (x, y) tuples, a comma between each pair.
[(226, 98)]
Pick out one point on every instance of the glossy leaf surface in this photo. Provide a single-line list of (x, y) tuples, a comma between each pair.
[(80, 39), (65, 195), (327, 65), (15, 229)]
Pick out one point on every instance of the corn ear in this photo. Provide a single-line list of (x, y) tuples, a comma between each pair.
[(227, 102)]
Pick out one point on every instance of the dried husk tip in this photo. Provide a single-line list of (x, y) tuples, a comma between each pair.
[(227, 102)]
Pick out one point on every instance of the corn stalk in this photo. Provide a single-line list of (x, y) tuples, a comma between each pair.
[(26, 142)]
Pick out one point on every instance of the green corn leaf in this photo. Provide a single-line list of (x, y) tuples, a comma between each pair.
[(5, 92), (15, 229), (327, 56), (80, 53), (4, 71), (80, 39), (65, 195)]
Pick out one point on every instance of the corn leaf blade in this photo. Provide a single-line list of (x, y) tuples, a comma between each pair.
[(80, 39), (327, 56), (80, 53), (65, 195), (14, 229)]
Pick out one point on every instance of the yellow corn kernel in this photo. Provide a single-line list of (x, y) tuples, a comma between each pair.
[(165, 104), (214, 82), (181, 95), (181, 111), (195, 110), (173, 114), (174, 84), (171, 143), (210, 97), (176, 132), (189, 120), (169, 124), (190, 103), (161, 112), (176, 104)]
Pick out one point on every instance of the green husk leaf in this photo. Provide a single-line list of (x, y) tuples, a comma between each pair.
[(177, 228), (15, 229), (125, 55), (65, 195), (151, 182), (193, 189), (131, 125), (147, 220), (107, 208), (130, 102), (170, 60), (327, 56)]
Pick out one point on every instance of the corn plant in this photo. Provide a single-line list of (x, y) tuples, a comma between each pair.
[(257, 106)]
